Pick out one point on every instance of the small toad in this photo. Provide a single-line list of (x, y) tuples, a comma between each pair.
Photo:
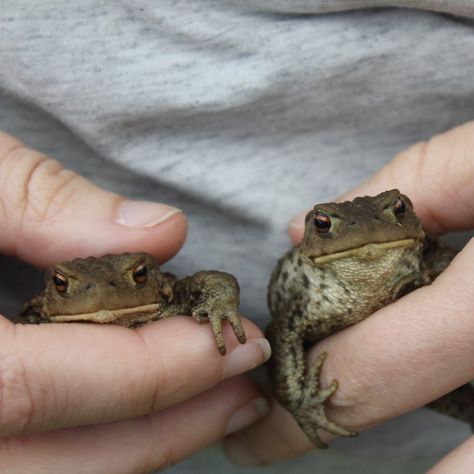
[(130, 290), (355, 258)]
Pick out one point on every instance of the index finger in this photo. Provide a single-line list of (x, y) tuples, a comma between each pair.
[(437, 175), (57, 375), (400, 358)]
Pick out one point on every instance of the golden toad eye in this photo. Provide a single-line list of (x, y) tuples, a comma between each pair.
[(60, 282), (140, 273), (399, 206), (322, 222)]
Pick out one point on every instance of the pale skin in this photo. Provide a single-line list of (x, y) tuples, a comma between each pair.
[(431, 331), (89, 398)]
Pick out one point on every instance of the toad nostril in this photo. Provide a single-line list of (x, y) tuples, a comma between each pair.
[(352, 223), (377, 218), (88, 286), (113, 284)]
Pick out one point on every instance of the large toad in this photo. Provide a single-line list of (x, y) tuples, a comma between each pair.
[(355, 258), (129, 290)]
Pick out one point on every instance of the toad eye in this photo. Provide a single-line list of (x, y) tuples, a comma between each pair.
[(60, 282), (140, 273), (399, 207), (322, 222)]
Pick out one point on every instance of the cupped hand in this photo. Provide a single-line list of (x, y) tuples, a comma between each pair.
[(410, 352), (87, 398)]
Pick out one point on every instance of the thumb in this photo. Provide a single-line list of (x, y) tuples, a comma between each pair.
[(49, 214), (438, 177)]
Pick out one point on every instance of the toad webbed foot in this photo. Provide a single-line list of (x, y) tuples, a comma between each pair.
[(215, 315), (217, 300)]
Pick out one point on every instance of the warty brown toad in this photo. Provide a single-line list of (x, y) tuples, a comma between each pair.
[(129, 290), (355, 258)]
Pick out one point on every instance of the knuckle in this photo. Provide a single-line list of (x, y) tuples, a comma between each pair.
[(168, 457), (154, 370), (16, 404), (33, 187), (419, 169), (151, 458)]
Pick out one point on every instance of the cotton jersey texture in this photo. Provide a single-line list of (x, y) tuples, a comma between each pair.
[(243, 113)]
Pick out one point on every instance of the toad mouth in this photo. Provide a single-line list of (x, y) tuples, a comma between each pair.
[(366, 251), (110, 315)]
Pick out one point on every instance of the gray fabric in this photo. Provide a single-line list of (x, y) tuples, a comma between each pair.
[(242, 114)]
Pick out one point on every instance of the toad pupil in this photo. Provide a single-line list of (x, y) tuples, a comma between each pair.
[(60, 282), (140, 273), (399, 206), (322, 222)]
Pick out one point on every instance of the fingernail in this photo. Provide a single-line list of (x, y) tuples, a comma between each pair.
[(144, 213), (247, 415), (247, 356), (298, 221)]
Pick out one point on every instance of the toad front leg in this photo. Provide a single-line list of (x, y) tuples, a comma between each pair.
[(296, 386), (209, 296)]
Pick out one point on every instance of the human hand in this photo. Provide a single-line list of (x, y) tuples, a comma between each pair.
[(95, 399), (417, 346)]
